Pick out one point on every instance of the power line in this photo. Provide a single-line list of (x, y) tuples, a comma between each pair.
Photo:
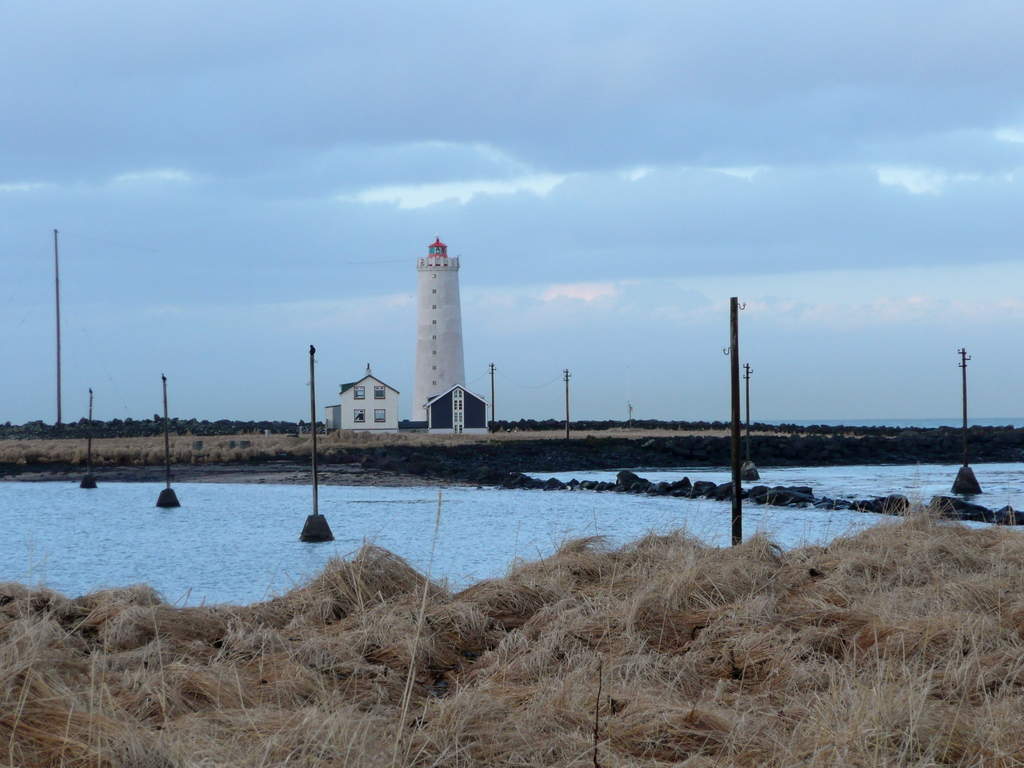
[(528, 386), (111, 242)]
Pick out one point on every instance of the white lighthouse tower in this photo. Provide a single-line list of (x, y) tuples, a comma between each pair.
[(439, 361)]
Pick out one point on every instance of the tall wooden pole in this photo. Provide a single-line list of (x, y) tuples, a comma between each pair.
[(312, 422), (492, 393), (88, 481), (734, 353), (167, 498), (316, 527), (966, 481), (746, 377), (167, 434), (56, 271), (566, 375), (964, 357)]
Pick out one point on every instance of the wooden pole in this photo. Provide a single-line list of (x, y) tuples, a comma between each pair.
[(167, 498), (312, 422), (746, 376), (492, 393), (56, 270), (566, 376), (88, 481), (167, 434), (734, 353), (316, 528), (964, 357), (966, 481)]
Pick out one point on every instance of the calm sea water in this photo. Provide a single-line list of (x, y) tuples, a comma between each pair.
[(239, 543), (952, 421)]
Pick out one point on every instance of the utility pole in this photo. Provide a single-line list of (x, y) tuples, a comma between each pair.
[(316, 527), (167, 498), (746, 378), (492, 369), (89, 481), (965, 481), (629, 398), (749, 469), (734, 354), (566, 376), (56, 270)]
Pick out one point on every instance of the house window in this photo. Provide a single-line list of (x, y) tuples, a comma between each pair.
[(378, 393), (379, 415), (359, 393), (359, 416)]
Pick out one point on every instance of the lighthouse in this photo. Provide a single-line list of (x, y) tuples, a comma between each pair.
[(439, 360)]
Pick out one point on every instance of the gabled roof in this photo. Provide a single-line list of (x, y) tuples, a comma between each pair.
[(346, 387), (432, 398)]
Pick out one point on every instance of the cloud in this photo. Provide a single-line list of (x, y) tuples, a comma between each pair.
[(154, 176), (742, 173), (587, 292), (24, 187), (423, 195), (1014, 135), (917, 181)]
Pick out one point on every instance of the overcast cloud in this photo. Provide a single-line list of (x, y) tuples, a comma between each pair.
[(234, 181)]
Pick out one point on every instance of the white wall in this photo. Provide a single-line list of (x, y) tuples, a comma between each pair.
[(368, 405), (438, 287)]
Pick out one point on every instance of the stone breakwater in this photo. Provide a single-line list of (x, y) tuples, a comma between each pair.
[(951, 507)]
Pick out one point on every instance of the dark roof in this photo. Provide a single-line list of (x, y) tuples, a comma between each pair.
[(438, 244), (432, 398)]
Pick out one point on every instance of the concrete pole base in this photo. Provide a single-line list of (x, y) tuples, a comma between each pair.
[(168, 498), (749, 471), (966, 482), (316, 529), (88, 482)]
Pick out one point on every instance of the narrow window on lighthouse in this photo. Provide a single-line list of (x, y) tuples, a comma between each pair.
[(434, 306)]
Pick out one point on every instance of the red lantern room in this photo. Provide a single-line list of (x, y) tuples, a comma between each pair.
[(437, 248)]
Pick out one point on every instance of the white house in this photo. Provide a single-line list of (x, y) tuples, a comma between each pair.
[(367, 405)]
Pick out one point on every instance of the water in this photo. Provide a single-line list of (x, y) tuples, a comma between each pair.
[(239, 543), (952, 421)]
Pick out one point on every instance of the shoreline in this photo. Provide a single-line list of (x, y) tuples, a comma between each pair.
[(270, 473)]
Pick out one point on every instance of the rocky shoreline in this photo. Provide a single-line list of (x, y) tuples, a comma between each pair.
[(949, 507), (516, 464)]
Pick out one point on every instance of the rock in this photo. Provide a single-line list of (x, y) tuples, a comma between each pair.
[(749, 471), (1009, 516), (959, 509), (723, 492), (626, 478), (703, 488), (893, 504)]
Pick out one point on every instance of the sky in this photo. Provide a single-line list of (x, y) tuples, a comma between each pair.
[(233, 182)]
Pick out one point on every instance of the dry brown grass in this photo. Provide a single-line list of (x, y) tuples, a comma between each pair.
[(901, 645)]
